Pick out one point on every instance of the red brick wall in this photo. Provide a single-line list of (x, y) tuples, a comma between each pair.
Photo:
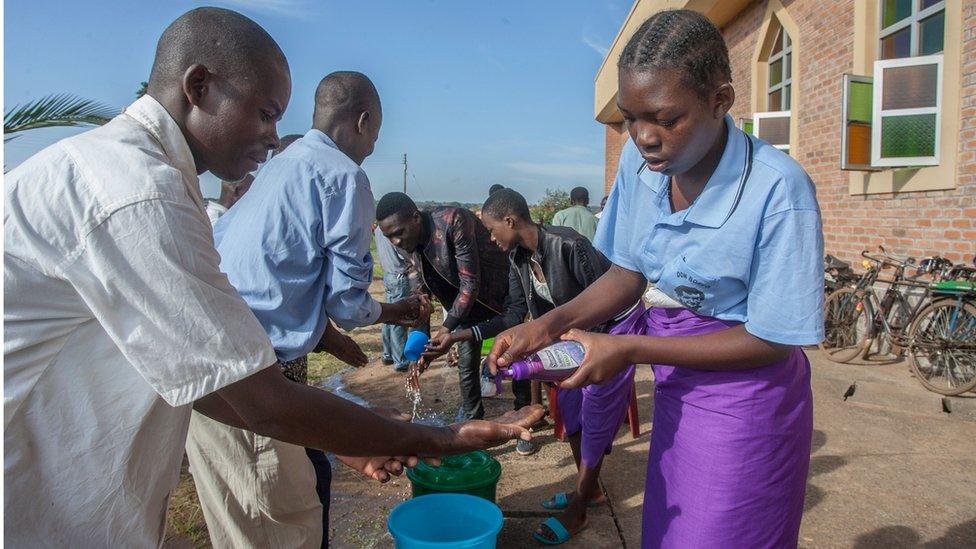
[(616, 136), (916, 223)]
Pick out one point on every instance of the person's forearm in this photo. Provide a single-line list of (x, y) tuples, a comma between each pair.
[(725, 350), (613, 292), (217, 409), (314, 418), (391, 313)]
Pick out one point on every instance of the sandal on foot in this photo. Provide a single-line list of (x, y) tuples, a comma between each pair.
[(557, 528), (560, 501)]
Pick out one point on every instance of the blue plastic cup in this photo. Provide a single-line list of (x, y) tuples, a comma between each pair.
[(440, 521), (414, 347)]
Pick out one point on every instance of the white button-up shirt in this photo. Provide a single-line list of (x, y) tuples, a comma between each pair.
[(117, 318)]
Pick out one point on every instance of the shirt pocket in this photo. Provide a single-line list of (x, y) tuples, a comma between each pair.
[(689, 286)]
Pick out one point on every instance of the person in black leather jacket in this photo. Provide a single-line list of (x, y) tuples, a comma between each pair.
[(464, 270), (549, 266)]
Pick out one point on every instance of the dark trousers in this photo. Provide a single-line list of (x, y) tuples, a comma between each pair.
[(469, 377), (323, 487)]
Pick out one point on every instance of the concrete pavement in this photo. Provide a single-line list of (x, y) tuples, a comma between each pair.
[(889, 467)]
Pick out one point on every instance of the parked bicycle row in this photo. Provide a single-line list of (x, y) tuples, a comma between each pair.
[(926, 310)]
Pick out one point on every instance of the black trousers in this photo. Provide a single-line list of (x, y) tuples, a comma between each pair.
[(469, 378), (323, 487)]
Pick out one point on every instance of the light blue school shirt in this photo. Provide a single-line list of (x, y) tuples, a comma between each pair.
[(748, 249), (296, 246)]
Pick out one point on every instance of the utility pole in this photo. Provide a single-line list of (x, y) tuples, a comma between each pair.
[(404, 173)]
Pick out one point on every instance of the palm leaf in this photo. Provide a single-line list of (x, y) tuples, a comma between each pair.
[(62, 109)]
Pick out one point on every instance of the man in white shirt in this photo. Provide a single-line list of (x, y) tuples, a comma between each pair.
[(117, 317)]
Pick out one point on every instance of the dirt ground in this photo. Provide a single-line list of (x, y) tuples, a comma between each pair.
[(892, 464)]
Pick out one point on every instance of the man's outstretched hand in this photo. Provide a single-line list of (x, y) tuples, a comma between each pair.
[(481, 434), (382, 469), (342, 347), (411, 312)]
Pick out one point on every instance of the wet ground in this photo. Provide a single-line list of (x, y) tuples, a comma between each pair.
[(892, 465), (889, 468)]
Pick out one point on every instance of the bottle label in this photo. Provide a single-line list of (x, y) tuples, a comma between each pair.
[(567, 355)]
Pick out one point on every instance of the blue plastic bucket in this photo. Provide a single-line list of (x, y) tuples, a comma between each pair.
[(445, 520)]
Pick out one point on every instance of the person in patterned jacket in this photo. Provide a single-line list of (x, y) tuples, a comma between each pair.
[(460, 266)]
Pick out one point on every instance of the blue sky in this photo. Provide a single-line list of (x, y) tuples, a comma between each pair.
[(474, 92)]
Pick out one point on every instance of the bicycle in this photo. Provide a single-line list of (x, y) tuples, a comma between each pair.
[(942, 338), (855, 318)]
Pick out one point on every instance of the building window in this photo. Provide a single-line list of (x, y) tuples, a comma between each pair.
[(774, 128), (906, 111), (778, 94), (911, 28)]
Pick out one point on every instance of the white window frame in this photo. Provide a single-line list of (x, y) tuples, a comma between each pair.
[(787, 49), (877, 113), (912, 21), (758, 117), (845, 164)]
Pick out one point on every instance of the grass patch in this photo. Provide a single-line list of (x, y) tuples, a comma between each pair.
[(185, 517)]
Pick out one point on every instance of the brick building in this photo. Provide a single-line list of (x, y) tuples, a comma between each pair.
[(875, 98)]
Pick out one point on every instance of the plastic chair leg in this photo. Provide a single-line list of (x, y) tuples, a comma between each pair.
[(559, 430)]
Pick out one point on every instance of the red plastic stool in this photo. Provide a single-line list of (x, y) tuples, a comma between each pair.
[(559, 430)]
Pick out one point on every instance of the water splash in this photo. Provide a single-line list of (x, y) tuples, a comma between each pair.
[(421, 414)]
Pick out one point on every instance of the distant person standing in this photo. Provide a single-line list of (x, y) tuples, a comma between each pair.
[(396, 281), (603, 205), (230, 193), (577, 216)]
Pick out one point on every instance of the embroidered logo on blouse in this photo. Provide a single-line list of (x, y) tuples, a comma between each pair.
[(690, 297)]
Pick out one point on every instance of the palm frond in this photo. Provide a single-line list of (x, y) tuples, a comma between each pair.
[(62, 109)]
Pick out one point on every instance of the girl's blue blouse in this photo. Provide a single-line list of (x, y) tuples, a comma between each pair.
[(749, 249)]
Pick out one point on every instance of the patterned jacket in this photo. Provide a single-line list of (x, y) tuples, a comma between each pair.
[(462, 267)]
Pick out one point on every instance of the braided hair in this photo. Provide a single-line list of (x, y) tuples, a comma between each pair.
[(684, 40)]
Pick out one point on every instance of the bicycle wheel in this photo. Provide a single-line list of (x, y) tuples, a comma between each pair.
[(898, 318), (942, 349), (847, 325)]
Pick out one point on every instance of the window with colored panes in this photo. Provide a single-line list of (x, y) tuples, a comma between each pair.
[(911, 28), (780, 73)]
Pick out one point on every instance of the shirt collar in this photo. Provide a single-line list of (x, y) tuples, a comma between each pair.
[(151, 115), (426, 229), (724, 188), (321, 137), (216, 206), (540, 247)]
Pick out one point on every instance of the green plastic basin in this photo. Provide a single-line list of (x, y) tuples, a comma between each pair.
[(476, 474)]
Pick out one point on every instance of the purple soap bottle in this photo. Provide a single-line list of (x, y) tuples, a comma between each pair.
[(553, 364)]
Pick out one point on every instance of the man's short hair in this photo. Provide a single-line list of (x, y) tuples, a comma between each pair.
[(495, 188), (226, 42), (344, 94), (395, 203), (579, 194), (506, 202)]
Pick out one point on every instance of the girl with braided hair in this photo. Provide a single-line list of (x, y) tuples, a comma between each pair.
[(728, 230)]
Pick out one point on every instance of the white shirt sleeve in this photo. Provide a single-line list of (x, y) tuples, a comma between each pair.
[(150, 276)]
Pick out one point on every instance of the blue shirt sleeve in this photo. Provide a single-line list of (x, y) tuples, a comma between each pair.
[(785, 299), (348, 211), (613, 233)]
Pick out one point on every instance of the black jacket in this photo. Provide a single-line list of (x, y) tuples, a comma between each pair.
[(570, 264), (461, 266)]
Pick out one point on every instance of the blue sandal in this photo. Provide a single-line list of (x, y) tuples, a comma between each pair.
[(556, 527), (560, 501)]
